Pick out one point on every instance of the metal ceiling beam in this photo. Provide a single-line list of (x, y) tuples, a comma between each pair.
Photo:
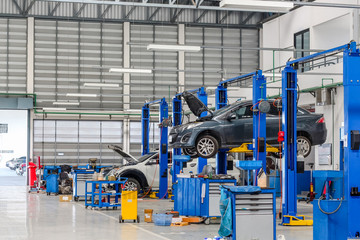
[(54, 9), (157, 5), (248, 18), (130, 12), (201, 15), (17, 6), (80, 10), (29, 7), (225, 16), (153, 14), (107, 9)]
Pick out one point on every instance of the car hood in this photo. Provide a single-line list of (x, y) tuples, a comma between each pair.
[(196, 106), (129, 158)]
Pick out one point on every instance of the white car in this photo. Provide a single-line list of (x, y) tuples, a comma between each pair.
[(143, 172)]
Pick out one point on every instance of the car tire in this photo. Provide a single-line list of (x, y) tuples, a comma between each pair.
[(303, 146), (190, 152), (132, 184), (207, 146)]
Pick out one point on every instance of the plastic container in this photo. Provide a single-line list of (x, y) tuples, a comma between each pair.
[(162, 219)]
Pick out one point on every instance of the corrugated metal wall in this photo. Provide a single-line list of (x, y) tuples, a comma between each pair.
[(13, 55), (70, 53)]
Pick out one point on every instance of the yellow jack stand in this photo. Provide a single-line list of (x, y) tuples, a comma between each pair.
[(299, 220)]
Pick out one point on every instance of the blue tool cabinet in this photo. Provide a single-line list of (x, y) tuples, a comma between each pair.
[(51, 176), (253, 215), (199, 196)]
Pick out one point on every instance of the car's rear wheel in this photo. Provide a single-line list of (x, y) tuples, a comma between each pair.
[(190, 152), (303, 146), (207, 146)]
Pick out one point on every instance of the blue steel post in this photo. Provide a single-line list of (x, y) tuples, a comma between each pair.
[(203, 97), (145, 122), (177, 115), (164, 113), (221, 101), (289, 112), (351, 83), (259, 119)]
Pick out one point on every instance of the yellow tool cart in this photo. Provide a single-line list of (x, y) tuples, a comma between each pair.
[(129, 206)]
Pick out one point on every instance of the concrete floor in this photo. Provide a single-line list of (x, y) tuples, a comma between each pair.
[(37, 216)]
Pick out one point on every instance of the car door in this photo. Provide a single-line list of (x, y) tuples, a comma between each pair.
[(238, 126), (272, 123), (153, 169)]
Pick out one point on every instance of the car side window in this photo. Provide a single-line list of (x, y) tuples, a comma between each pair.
[(242, 112), (153, 160), (274, 111)]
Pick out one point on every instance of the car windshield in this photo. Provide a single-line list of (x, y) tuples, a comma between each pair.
[(224, 109), (145, 157)]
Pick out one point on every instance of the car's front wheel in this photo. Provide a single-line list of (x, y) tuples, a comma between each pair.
[(207, 146), (303, 146), (132, 185), (190, 152)]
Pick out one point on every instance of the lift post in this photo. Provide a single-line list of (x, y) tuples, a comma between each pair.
[(220, 102), (177, 115), (163, 146), (203, 97), (289, 114), (259, 119)]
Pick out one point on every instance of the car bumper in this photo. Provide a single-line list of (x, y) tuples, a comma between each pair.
[(182, 140), (318, 135)]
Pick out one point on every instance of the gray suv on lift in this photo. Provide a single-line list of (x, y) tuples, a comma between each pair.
[(232, 126)]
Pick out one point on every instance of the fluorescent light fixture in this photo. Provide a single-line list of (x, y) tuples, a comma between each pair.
[(67, 103), (258, 5), (112, 85), (53, 109), (272, 74), (161, 47), (130, 70), (80, 95)]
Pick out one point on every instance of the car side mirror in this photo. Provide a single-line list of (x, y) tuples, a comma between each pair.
[(229, 117)]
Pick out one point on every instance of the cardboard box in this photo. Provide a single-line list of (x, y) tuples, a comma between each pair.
[(65, 198), (148, 215)]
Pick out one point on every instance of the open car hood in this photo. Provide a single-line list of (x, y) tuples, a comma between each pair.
[(129, 158), (196, 106)]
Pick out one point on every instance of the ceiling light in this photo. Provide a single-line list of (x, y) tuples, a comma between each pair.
[(130, 70), (258, 5), (161, 47), (53, 109), (67, 103), (80, 95), (112, 85)]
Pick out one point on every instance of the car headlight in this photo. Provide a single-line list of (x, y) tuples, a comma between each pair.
[(193, 125), (185, 138)]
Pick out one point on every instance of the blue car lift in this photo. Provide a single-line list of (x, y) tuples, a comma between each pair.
[(177, 116), (163, 149), (352, 114), (259, 118)]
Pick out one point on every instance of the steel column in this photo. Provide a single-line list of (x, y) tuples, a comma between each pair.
[(145, 126)]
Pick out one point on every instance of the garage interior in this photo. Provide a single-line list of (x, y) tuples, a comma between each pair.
[(179, 119)]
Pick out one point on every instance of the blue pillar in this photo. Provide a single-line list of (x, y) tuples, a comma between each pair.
[(163, 163), (202, 95), (259, 119), (221, 101), (177, 115), (289, 112), (145, 122), (351, 83)]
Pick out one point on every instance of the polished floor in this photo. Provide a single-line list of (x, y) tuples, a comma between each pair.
[(37, 216)]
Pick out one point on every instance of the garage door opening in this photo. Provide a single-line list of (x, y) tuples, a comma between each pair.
[(13, 147)]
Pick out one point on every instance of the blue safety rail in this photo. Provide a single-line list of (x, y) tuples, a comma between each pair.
[(163, 146), (98, 196)]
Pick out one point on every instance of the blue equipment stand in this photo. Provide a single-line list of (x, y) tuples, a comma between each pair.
[(51, 176), (221, 101), (177, 116), (199, 196), (97, 194), (163, 146)]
